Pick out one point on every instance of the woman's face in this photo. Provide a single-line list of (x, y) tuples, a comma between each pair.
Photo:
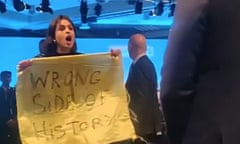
[(64, 36)]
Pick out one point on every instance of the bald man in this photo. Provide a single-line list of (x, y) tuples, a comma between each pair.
[(142, 88)]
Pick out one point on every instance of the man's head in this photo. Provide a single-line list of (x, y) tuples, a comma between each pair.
[(6, 77), (136, 45)]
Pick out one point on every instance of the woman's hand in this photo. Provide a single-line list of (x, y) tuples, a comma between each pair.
[(115, 52), (24, 64)]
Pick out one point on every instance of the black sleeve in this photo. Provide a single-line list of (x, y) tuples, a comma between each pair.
[(179, 71)]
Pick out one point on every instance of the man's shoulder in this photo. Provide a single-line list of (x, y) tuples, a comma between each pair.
[(12, 90)]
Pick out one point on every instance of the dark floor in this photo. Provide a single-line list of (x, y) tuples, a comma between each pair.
[(161, 140)]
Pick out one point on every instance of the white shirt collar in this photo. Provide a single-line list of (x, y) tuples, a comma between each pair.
[(138, 57)]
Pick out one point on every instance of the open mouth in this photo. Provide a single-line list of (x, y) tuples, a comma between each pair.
[(68, 38)]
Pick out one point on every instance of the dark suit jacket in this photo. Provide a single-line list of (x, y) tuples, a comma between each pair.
[(7, 105), (201, 72), (142, 88)]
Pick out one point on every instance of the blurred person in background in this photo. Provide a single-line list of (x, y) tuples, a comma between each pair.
[(200, 75), (8, 111)]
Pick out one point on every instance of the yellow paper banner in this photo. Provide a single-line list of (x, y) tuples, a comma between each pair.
[(73, 100)]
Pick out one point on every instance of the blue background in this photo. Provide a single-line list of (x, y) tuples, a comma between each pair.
[(15, 49)]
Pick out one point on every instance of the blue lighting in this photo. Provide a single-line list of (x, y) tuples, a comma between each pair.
[(15, 49)]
